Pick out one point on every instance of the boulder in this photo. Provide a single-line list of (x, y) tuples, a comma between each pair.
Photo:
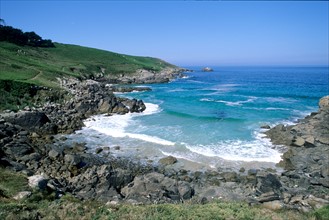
[(22, 195), (273, 205), (298, 142), (316, 203), (30, 121), (72, 160), (17, 149), (38, 182), (268, 183), (54, 154), (156, 187), (168, 160)]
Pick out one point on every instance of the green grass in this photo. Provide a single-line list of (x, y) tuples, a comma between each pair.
[(11, 183), (24, 66), (44, 205), (41, 66)]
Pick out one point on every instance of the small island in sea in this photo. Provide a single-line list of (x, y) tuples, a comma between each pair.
[(207, 69)]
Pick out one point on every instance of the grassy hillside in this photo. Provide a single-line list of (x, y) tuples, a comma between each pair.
[(41, 66), (23, 66)]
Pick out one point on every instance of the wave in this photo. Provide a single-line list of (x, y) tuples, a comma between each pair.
[(267, 109), (230, 103), (116, 125), (280, 99), (260, 149)]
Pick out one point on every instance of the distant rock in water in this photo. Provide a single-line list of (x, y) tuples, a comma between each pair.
[(207, 69)]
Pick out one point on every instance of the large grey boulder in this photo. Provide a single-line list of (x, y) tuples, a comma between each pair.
[(28, 120), (155, 187)]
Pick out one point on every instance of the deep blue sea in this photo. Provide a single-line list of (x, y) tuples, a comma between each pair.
[(209, 116)]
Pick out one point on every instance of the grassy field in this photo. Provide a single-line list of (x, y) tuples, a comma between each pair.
[(44, 205), (41, 66)]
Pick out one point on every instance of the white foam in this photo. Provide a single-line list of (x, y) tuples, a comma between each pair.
[(260, 149), (228, 103), (237, 103), (280, 99), (116, 125)]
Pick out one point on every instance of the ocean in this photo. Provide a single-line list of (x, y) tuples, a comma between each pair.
[(211, 117)]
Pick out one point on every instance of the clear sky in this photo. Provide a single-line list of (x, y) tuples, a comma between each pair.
[(184, 32)]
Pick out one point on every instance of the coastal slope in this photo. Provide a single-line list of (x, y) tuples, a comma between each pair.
[(31, 76)]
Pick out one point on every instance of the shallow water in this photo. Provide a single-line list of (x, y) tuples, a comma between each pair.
[(212, 119)]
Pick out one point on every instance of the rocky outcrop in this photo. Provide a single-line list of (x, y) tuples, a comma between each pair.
[(143, 76), (156, 188), (125, 89), (306, 160), (308, 142), (88, 98), (207, 69)]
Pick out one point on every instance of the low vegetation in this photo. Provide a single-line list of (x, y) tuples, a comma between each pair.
[(27, 59), (46, 206)]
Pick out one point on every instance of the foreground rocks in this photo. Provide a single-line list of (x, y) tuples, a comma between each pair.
[(27, 145), (306, 161)]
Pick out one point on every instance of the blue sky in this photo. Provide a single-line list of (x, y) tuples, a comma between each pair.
[(185, 32)]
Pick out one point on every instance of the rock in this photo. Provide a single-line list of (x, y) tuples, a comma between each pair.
[(296, 199), (105, 194), (280, 135), (309, 142), (38, 182), (185, 190), (268, 183), (273, 205), (35, 135), (72, 160), (22, 195), (268, 197), (79, 147), (30, 121), (265, 127), (168, 160), (230, 176), (155, 186), (53, 154), (316, 203), (324, 103), (325, 170), (242, 170), (17, 149), (129, 89), (298, 142), (116, 147), (207, 69), (98, 150), (119, 178)]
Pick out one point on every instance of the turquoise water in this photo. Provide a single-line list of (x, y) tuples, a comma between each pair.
[(208, 116)]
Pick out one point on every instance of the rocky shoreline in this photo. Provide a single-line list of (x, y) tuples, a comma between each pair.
[(28, 144)]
